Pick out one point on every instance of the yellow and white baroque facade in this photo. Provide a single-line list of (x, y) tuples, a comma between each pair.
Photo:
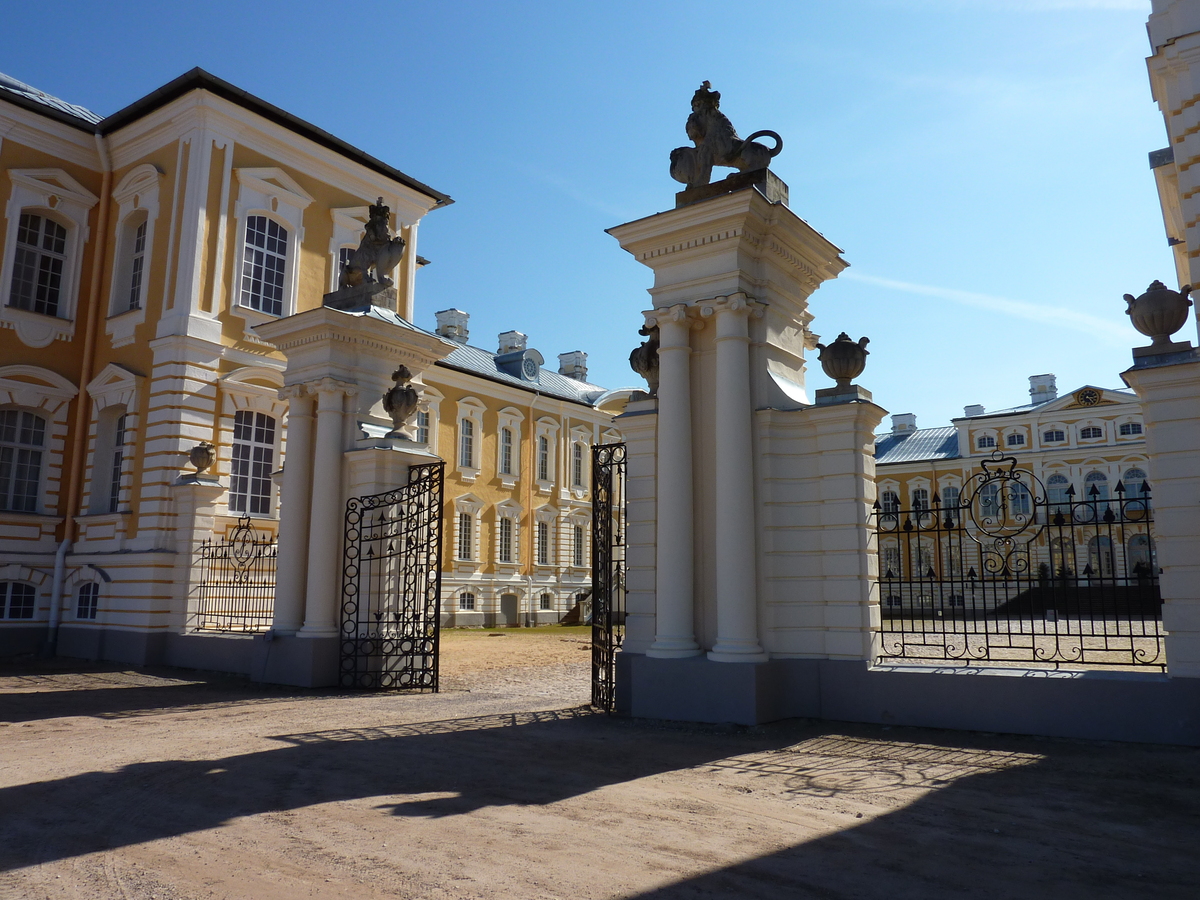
[(139, 253)]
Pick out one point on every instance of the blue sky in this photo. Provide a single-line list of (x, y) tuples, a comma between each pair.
[(982, 163)]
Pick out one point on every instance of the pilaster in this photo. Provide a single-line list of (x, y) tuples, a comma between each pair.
[(639, 428)]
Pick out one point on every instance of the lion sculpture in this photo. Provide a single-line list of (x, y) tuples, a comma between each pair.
[(378, 253), (717, 143)]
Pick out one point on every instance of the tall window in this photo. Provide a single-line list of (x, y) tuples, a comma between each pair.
[(1020, 500), (466, 444), (1056, 493), (920, 498), (505, 550), (466, 601), (16, 600), (137, 264), (577, 464), (118, 460), (543, 462), (38, 265), (543, 543), (22, 436), (264, 265), (577, 555), (1134, 478), (1099, 481), (890, 501), (950, 497), (423, 427), (465, 535), (506, 451), (253, 459), (89, 600)]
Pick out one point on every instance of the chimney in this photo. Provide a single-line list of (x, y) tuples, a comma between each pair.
[(975, 409), (904, 423), (511, 342), (573, 365), (452, 324), (1042, 388)]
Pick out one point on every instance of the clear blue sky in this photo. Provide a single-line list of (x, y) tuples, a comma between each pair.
[(982, 163)]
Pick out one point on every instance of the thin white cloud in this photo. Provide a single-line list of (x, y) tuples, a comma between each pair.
[(1033, 312)]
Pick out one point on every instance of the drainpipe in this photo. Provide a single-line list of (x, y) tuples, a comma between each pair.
[(82, 407), (531, 531)]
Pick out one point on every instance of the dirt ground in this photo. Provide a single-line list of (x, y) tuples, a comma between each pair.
[(177, 785)]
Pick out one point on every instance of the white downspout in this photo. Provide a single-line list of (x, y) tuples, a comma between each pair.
[(56, 593)]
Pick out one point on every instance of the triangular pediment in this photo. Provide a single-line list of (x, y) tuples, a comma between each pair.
[(1085, 397), (54, 183)]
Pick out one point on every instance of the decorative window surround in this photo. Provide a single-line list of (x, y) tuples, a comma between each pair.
[(548, 429), (511, 510), (348, 225), (545, 543), (48, 394), (581, 444), (54, 194), (1130, 429), (256, 389), (1087, 431), (431, 401), (273, 193), (114, 391), (471, 409), (471, 506), (136, 196), (511, 419)]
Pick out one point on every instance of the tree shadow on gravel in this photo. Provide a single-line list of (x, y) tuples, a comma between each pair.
[(1061, 819)]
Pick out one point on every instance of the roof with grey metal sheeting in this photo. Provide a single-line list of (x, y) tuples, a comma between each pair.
[(30, 94), (476, 361), (925, 443)]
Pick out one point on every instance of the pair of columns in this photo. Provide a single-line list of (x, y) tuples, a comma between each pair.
[(735, 557), (311, 522)]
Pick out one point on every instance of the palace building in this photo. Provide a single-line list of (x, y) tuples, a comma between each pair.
[(140, 251)]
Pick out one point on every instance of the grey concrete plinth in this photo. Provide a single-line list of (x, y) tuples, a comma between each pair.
[(361, 295), (297, 661), (1145, 707)]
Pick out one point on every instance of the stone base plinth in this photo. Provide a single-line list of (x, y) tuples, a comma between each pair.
[(371, 294), (768, 183), (842, 394), (1167, 349)]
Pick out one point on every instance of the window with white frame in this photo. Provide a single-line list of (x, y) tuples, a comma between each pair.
[(466, 601), (1058, 493), (41, 255), (543, 543), (950, 499), (466, 443), (466, 535), (129, 287), (985, 442), (546, 602), (1134, 477), (1016, 439), (1090, 432), (578, 546), (1095, 486), (506, 451), (22, 442), (264, 265), (890, 501), (423, 427), (1128, 429), (252, 463), (1053, 436), (504, 540), (543, 458), (88, 600), (920, 498), (117, 463), (137, 198), (16, 600), (577, 457)]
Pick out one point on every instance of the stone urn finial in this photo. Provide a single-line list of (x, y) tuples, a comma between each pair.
[(400, 401), (844, 359), (202, 456), (1160, 312)]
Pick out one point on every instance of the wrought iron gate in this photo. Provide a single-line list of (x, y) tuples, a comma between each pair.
[(236, 585), (608, 569), (1008, 571), (392, 585)]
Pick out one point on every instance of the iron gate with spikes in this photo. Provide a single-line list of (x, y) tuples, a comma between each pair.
[(608, 569), (392, 585)]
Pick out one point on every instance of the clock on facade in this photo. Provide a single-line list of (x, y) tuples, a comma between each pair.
[(1087, 397)]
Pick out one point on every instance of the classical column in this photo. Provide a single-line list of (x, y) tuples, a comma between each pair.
[(295, 503), (326, 523), (737, 596), (675, 628)]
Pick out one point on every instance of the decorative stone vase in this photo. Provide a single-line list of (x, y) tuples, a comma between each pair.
[(844, 359), (202, 456), (400, 401), (1160, 312)]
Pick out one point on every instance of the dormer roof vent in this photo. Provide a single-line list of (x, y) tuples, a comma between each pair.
[(452, 324), (975, 409), (573, 365), (904, 423), (511, 342), (1042, 388)]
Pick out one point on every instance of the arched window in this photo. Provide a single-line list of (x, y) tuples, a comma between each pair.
[(1090, 432), (89, 600), (465, 536), (252, 463), (129, 289), (578, 555), (466, 443), (543, 461), (466, 601), (1016, 439), (506, 451), (1130, 428), (546, 601), (22, 437), (1053, 436), (38, 264), (1133, 479), (985, 442), (1020, 503), (577, 464), (16, 600), (1099, 481), (1056, 493), (264, 265), (991, 500), (1100, 557), (504, 549)]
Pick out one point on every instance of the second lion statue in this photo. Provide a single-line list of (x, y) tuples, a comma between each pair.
[(378, 253)]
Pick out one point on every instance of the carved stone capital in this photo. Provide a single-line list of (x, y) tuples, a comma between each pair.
[(330, 385), (292, 391)]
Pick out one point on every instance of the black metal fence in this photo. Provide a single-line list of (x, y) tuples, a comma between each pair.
[(392, 585), (236, 587), (608, 569), (1009, 572)]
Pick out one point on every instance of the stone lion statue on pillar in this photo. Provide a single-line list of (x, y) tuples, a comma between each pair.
[(378, 253), (717, 143)]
